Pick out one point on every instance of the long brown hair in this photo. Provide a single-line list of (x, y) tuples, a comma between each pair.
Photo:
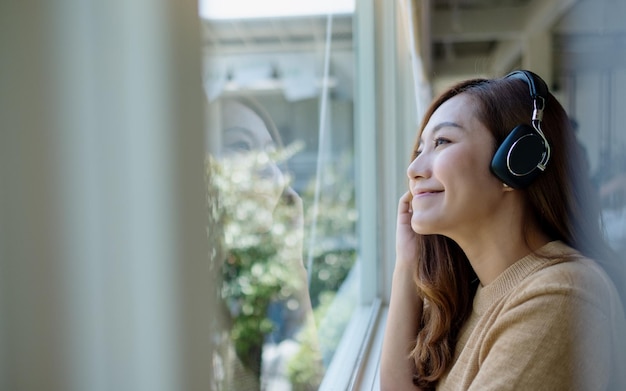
[(561, 199)]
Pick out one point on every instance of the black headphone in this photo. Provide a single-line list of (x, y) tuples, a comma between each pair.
[(525, 152)]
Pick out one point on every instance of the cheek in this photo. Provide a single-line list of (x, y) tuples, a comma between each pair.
[(272, 178), (466, 167), (456, 161)]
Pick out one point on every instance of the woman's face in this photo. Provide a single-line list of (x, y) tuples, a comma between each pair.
[(453, 189), (246, 152)]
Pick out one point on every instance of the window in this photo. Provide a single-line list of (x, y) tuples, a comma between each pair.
[(282, 155)]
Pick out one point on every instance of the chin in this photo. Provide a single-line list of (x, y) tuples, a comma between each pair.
[(428, 226), (262, 223), (424, 225), (422, 229)]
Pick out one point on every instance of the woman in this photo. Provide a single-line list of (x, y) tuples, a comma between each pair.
[(497, 283)]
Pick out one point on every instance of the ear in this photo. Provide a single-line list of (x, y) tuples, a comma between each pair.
[(506, 187)]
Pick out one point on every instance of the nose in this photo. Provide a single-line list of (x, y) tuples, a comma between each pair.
[(419, 167), (271, 173)]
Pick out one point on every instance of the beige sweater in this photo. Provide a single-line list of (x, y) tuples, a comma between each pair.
[(543, 324)]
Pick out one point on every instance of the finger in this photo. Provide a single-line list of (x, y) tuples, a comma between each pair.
[(405, 202)]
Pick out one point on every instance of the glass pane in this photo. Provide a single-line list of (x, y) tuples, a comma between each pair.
[(610, 175), (281, 157)]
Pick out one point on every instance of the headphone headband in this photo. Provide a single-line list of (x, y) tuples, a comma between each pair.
[(536, 85), (538, 92)]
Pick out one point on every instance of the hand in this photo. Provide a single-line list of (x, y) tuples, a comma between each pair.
[(406, 238), (293, 212), (293, 199), (405, 307)]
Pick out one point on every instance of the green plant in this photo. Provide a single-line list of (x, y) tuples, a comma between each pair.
[(261, 252), (260, 260)]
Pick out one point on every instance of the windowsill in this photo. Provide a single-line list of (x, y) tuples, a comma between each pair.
[(356, 361)]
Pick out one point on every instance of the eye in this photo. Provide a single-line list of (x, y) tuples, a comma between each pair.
[(440, 141), (239, 146)]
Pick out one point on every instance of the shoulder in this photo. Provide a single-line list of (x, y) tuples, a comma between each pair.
[(573, 278), (562, 323)]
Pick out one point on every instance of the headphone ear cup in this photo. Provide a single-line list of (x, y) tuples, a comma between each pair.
[(516, 160)]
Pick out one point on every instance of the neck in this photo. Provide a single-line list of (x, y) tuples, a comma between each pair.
[(499, 244), (489, 259)]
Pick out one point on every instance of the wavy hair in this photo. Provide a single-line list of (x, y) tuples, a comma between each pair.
[(562, 201)]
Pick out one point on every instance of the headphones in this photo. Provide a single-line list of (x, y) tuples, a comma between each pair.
[(524, 153)]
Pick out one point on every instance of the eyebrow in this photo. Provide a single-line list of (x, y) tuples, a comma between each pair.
[(249, 133), (239, 129), (446, 125)]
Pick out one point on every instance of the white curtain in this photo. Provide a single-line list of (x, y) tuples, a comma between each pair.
[(103, 250)]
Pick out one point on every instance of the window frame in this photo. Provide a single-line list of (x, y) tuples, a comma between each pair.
[(387, 109)]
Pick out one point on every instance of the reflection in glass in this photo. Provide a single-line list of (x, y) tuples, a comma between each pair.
[(264, 288), (282, 184), (611, 179)]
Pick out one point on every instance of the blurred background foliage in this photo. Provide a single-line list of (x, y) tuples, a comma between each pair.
[(333, 258), (255, 272)]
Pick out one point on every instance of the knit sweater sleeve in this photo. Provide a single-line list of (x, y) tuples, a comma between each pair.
[(552, 333)]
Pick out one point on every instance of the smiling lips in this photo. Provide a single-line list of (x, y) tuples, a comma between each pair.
[(425, 192)]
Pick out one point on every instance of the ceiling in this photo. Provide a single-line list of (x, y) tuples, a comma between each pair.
[(459, 38), (488, 37), (275, 35)]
